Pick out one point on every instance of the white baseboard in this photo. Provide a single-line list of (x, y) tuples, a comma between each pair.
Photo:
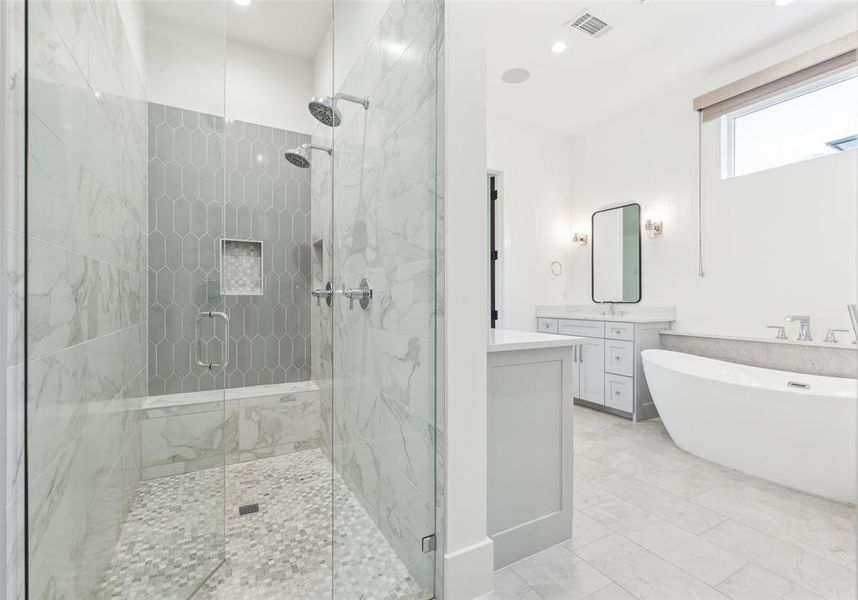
[(469, 572)]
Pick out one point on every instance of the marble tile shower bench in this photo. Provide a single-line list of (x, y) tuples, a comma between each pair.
[(190, 431)]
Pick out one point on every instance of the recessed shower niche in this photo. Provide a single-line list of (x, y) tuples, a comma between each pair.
[(241, 268)]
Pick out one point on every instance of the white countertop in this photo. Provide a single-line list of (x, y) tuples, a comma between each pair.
[(502, 340), (626, 313), (595, 317)]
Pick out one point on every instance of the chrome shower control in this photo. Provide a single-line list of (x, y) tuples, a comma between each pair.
[(362, 294), (327, 294)]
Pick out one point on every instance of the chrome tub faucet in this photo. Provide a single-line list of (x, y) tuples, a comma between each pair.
[(804, 327)]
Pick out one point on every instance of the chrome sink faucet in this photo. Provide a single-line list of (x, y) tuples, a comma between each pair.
[(603, 311), (804, 327)]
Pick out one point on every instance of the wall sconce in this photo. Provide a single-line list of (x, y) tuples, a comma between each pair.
[(654, 227), (580, 239)]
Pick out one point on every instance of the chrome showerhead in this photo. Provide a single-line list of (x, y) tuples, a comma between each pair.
[(300, 156), (325, 111)]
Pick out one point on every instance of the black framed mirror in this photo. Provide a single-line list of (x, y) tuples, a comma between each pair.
[(615, 257)]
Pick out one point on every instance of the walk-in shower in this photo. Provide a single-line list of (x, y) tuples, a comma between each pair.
[(200, 423)]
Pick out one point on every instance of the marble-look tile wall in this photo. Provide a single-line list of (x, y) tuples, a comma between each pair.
[(12, 158), (267, 200), (187, 432), (86, 296), (811, 359), (379, 420)]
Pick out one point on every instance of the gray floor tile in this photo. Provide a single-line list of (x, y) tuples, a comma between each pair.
[(557, 574)]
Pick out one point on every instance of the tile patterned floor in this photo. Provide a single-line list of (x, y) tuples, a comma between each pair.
[(653, 522), (282, 552)]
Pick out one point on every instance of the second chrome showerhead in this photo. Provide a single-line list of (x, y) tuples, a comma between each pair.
[(325, 109), (300, 156)]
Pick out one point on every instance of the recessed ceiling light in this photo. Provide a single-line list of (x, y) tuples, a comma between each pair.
[(243, 2), (558, 47), (782, 2), (515, 76)]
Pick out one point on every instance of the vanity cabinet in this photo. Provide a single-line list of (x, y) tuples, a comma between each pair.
[(607, 367), (588, 371)]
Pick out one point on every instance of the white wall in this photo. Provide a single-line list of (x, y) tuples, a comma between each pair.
[(133, 14), (776, 242), (185, 67), (536, 179), (354, 22), (468, 551)]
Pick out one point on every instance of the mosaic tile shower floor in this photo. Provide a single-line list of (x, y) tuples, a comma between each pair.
[(173, 534)]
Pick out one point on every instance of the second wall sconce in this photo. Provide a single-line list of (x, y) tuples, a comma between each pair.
[(654, 227), (580, 239)]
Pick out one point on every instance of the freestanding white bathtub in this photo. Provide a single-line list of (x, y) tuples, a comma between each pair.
[(796, 430)]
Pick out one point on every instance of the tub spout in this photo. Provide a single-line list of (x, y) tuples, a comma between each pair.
[(804, 327)]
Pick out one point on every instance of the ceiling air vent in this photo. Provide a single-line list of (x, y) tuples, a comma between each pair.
[(589, 25)]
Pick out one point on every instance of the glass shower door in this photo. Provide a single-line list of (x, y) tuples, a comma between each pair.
[(275, 232), (126, 430), (385, 260)]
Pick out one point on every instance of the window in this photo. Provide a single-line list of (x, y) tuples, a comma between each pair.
[(816, 119)]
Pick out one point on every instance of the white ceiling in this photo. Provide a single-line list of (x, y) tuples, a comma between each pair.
[(652, 46), (294, 27)]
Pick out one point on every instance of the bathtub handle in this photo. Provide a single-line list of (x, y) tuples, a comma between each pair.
[(210, 314), (781, 333), (831, 335), (798, 384)]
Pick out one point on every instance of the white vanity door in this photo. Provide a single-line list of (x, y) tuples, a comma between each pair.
[(590, 371)]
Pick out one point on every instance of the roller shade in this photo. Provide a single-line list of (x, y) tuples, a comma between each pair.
[(833, 56)]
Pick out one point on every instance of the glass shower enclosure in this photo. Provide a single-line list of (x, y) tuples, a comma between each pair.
[(232, 298)]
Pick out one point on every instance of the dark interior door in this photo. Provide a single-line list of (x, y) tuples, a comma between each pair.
[(493, 252)]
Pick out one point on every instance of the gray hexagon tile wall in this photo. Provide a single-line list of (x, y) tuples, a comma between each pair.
[(266, 199)]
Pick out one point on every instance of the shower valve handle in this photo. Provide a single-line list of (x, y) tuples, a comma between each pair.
[(362, 294), (327, 294)]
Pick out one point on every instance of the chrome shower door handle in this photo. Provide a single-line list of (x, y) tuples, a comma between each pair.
[(224, 353)]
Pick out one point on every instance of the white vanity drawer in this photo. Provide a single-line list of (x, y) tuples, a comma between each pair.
[(620, 331), (546, 325), (581, 327), (620, 357), (619, 392)]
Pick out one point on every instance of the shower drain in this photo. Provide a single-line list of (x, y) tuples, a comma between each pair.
[(248, 508)]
